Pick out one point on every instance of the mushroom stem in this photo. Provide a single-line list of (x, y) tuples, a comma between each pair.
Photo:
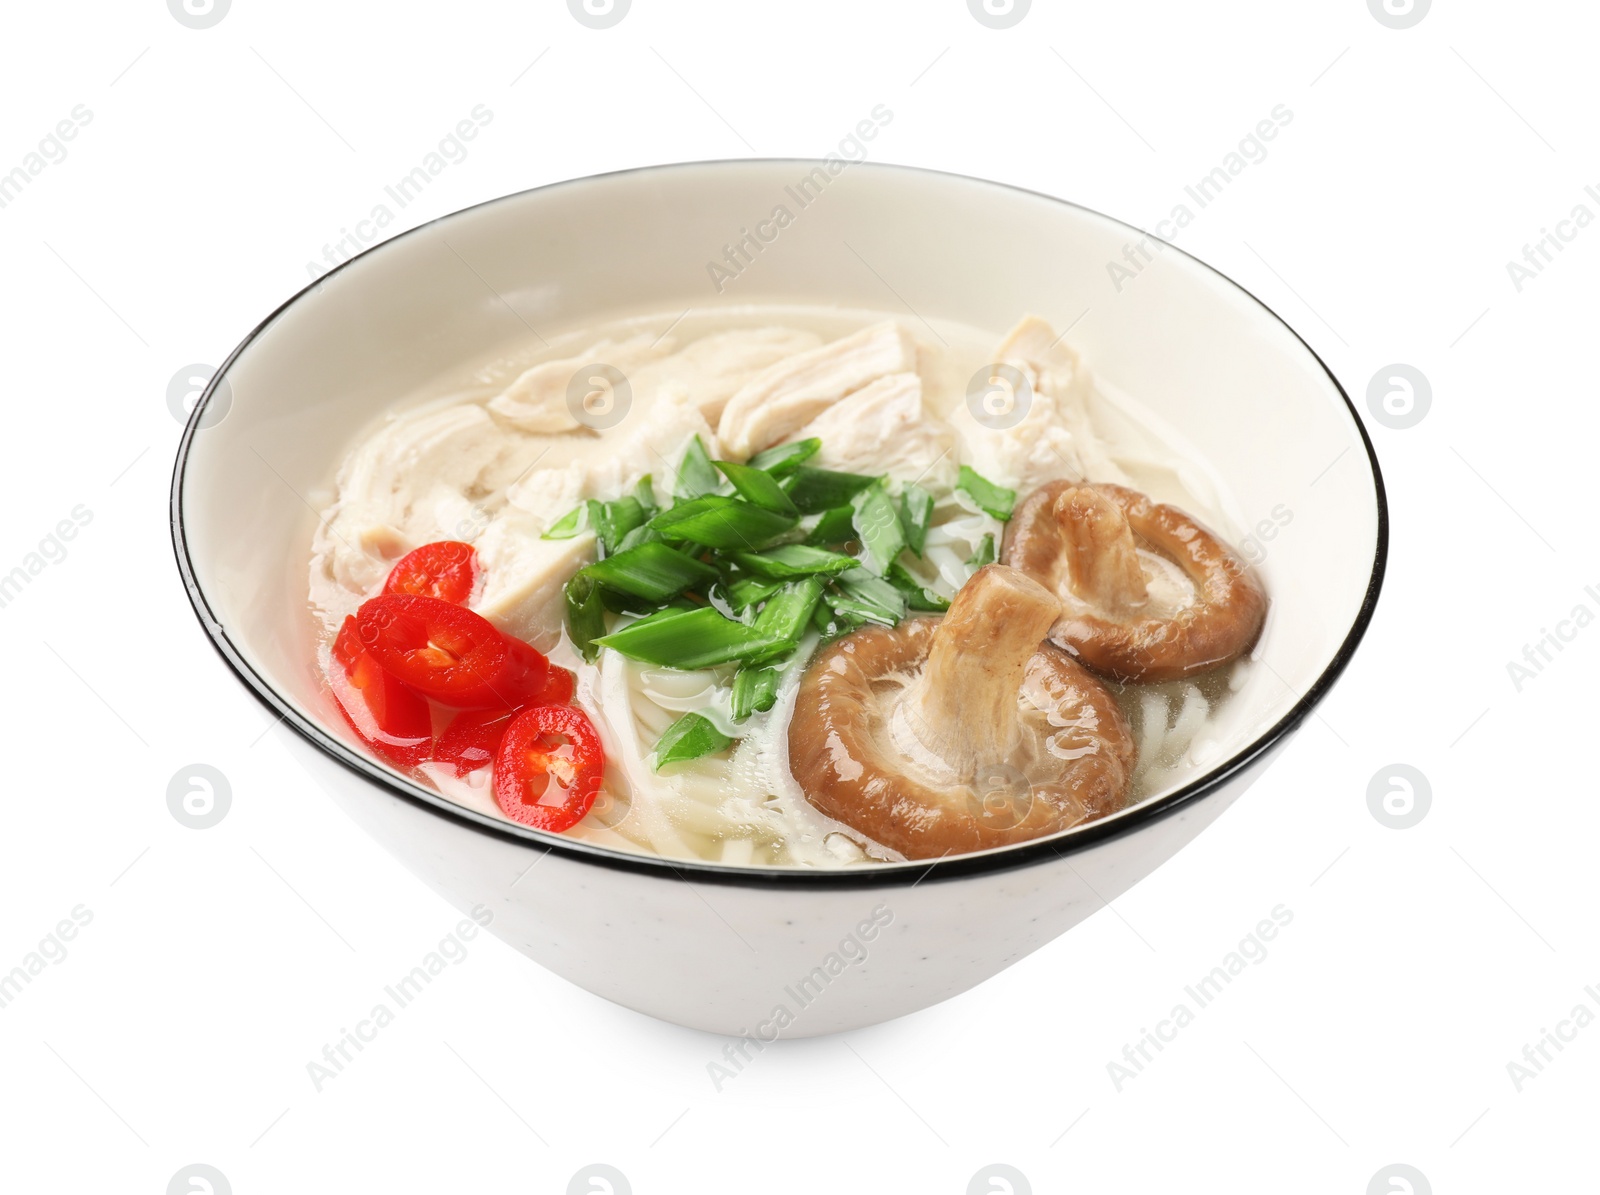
[(1102, 560), (962, 708)]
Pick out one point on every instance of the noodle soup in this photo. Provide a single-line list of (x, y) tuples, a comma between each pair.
[(784, 586)]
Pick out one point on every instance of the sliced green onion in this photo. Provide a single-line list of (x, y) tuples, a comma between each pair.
[(625, 603), (687, 640), (613, 520), (652, 571), (751, 591), (851, 610), (568, 525), (984, 553), (916, 512), (794, 560), (830, 622), (992, 499), (918, 596), (695, 474), (586, 614), (639, 535), (834, 526), (785, 458), (789, 609), (864, 590), (690, 737), (645, 492), (783, 619), (754, 691), (878, 527), (721, 522), (757, 487), (816, 490)]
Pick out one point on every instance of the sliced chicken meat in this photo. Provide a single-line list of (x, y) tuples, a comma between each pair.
[(1052, 434), (884, 428), (784, 397), (537, 401), (407, 484), (708, 371)]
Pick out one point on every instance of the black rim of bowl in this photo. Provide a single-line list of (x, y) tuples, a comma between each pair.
[(1025, 854)]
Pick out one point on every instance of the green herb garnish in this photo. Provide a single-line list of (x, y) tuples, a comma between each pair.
[(652, 571), (696, 476), (817, 490), (993, 499), (785, 458), (690, 737), (916, 513), (568, 525), (877, 526), (754, 691)]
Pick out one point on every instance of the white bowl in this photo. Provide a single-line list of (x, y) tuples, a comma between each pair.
[(766, 950)]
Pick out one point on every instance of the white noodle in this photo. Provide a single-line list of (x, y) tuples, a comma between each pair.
[(1191, 717), (1153, 713)]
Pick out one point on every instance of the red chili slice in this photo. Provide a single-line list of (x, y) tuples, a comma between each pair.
[(527, 675), (549, 767), (446, 570), (387, 716), (443, 651), (558, 688), (472, 738)]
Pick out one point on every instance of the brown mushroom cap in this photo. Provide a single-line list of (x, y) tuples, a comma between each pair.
[(1148, 593), (942, 736)]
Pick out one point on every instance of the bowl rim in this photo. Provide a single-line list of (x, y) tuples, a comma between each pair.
[(911, 873)]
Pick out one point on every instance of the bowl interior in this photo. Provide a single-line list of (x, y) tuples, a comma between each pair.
[(1189, 345)]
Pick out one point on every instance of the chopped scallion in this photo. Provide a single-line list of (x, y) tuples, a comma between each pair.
[(751, 591), (612, 521), (721, 522), (918, 595), (877, 527), (830, 622), (758, 488), (645, 492), (698, 638), (794, 560), (754, 691), (789, 609), (690, 737), (652, 571), (849, 608), (916, 512), (785, 458), (586, 614), (696, 476), (993, 499), (568, 525), (864, 590), (816, 490), (834, 526), (639, 535)]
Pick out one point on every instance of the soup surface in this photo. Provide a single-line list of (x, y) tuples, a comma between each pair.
[(960, 593)]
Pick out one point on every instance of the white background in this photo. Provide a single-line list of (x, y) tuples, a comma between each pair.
[(218, 162)]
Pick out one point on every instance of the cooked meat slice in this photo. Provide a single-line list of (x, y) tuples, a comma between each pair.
[(786, 396), (884, 428)]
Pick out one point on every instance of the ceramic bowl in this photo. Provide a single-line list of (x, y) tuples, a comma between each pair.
[(770, 952)]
